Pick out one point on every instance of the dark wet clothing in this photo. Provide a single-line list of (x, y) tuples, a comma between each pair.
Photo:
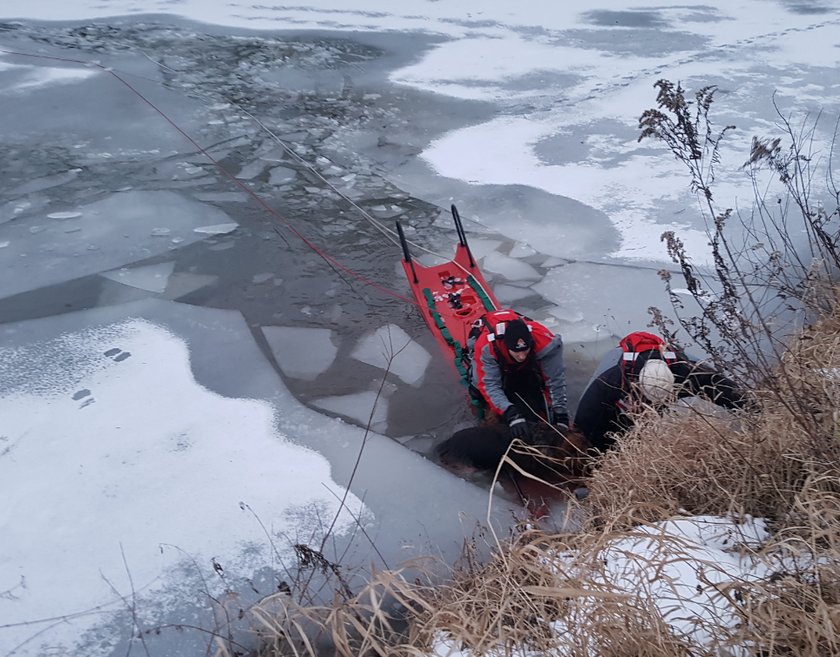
[(600, 411)]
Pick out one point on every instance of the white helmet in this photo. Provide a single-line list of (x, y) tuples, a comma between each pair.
[(656, 381)]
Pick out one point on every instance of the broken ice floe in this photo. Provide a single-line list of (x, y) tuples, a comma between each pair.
[(64, 215), (408, 360), (301, 352), (217, 229), (511, 268), (153, 278), (358, 407)]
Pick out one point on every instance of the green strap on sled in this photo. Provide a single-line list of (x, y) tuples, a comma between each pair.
[(447, 334), (488, 305)]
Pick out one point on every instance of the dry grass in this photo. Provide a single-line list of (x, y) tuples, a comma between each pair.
[(374, 622), (702, 461), (514, 605), (797, 611), (544, 594)]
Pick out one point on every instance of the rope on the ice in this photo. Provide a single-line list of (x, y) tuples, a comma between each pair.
[(276, 215), (382, 228), (389, 234), (335, 264)]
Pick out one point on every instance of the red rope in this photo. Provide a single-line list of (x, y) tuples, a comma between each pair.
[(275, 215)]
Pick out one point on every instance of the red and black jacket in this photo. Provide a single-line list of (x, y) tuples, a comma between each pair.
[(492, 362), (600, 411)]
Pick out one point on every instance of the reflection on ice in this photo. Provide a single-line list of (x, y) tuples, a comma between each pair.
[(301, 352), (46, 182), (521, 250), (265, 276), (64, 215), (153, 278), (44, 77), (480, 247), (251, 170), (386, 212), (358, 407), (221, 197), (182, 283), (408, 360), (567, 315)]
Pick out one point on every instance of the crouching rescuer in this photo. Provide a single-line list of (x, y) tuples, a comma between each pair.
[(517, 372), (644, 370)]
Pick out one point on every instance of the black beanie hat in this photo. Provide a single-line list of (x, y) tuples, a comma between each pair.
[(517, 336)]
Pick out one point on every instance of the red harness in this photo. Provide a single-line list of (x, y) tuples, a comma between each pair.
[(495, 324), (639, 342)]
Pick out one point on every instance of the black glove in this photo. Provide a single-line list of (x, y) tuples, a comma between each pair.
[(560, 420), (518, 426)]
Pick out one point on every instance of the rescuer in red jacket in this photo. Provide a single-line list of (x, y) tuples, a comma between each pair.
[(643, 369), (518, 371)]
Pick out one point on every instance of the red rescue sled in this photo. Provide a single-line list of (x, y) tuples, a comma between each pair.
[(451, 296)]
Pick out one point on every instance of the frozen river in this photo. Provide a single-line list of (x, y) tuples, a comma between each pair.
[(201, 285)]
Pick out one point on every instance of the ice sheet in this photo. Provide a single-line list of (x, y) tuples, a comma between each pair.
[(301, 352), (408, 360), (366, 408), (107, 234), (153, 278), (103, 431)]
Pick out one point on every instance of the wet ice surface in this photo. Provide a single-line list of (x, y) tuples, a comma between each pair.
[(363, 407), (79, 462), (108, 207), (138, 267), (153, 278), (392, 349), (49, 248), (300, 352), (225, 253), (132, 462)]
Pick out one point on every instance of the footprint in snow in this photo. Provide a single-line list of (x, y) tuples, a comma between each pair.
[(85, 394), (117, 355)]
